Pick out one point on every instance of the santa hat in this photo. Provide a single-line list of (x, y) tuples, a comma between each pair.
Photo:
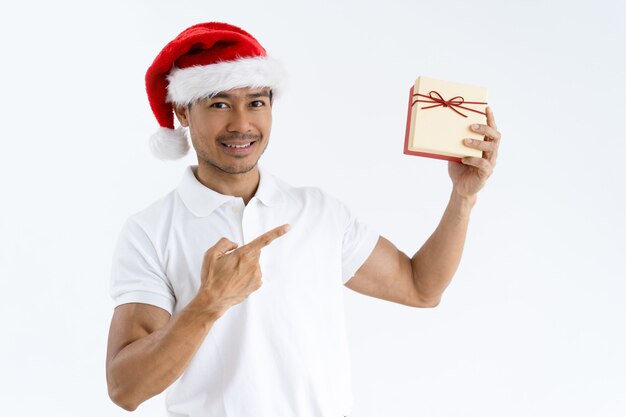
[(200, 62)]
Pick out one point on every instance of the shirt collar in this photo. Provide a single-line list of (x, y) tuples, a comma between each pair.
[(202, 201)]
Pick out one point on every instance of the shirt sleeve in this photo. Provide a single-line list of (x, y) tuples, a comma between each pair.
[(359, 240), (137, 275)]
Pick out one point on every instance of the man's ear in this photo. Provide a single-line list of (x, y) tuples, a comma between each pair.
[(182, 114)]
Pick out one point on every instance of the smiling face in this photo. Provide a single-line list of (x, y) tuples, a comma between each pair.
[(229, 131)]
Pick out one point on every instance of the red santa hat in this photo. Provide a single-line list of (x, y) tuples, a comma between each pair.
[(202, 61)]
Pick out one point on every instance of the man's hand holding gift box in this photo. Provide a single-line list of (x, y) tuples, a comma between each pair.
[(451, 121)]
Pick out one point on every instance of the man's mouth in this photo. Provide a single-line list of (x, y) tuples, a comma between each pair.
[(239, 148), (238, 145)]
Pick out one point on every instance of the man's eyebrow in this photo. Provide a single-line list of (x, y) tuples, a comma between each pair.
[(252, 95), (261, 94)]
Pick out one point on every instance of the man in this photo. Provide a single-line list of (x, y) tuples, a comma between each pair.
[(228, 289)]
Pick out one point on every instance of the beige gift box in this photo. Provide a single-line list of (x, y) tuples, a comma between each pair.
[(439, 118)]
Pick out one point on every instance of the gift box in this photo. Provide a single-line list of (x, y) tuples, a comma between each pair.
[(439, 118)]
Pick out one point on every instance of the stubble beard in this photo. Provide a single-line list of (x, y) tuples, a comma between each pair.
[(205, 159)]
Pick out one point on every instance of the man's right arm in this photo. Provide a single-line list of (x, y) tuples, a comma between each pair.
[(148, 350)]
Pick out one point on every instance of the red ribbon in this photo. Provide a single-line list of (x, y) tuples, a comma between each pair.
[(452, 103)]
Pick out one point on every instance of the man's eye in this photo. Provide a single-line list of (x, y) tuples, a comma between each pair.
[(257, 103), (219, 105)]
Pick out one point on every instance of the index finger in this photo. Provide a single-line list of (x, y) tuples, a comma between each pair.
[(265, 239)]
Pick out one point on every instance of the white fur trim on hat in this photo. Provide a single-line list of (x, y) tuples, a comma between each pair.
[(168, 144), (190, 84)]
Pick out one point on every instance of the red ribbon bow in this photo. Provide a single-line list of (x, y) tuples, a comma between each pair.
[(452, 103)]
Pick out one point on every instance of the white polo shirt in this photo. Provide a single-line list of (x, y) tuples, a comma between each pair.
[(283, 351)]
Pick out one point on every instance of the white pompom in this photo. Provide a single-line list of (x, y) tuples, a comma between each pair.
[(168, 144)]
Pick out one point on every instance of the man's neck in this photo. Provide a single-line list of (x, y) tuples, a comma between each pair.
[(238, 185)]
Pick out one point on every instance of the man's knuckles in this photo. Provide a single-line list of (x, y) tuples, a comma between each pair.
[(222, 246), (249, 256)]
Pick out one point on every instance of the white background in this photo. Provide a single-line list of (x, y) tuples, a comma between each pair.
[(533, 323)]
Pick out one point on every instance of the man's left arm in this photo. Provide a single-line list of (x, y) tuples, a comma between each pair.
[(420, 281)]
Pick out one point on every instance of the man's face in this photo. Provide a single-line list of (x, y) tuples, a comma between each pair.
[(231, 130)]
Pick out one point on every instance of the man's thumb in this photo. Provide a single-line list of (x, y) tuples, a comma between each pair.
[(223, 246)]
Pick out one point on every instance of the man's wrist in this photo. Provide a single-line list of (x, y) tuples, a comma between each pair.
[(462, 203), (205, 308)]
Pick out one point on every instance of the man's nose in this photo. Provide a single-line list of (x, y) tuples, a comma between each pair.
[(239, 122)]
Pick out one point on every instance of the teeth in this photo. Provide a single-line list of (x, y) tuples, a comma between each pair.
[(238, 146)]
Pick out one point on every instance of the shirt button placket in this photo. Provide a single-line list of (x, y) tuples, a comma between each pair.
[(251, 225), (248, 225), (237, 209)]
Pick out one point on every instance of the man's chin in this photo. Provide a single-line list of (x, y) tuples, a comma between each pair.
[(231, 169), (243, 170)]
